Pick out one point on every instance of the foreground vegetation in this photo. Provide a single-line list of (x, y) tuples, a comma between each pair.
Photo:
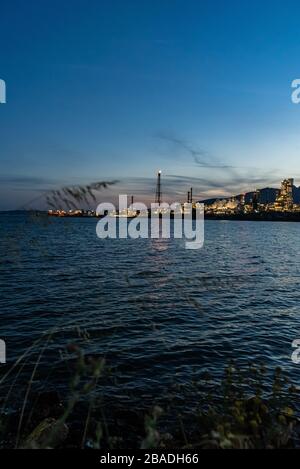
[(245, 409)]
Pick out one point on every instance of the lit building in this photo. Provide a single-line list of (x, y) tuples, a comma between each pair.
[(285, 200)]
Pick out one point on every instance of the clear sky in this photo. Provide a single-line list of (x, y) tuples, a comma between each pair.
[(116, 89)]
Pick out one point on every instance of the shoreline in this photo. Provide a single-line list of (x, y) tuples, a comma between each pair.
[(262, 216), (259, 216)]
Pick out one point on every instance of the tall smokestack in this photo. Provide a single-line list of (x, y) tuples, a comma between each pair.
[(158, 189)]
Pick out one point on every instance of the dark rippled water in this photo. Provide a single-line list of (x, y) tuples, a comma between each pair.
[(158, 313)]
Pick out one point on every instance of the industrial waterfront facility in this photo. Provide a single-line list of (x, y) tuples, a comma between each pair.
[(269, 200)]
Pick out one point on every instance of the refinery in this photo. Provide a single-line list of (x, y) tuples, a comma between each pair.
[(267, 203)]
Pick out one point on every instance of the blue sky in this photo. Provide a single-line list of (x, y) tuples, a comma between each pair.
[(115, 89)]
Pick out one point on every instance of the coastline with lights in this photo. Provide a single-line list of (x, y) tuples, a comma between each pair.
[(267, 204)]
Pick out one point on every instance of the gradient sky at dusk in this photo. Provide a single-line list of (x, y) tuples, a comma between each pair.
[(115, 89)]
